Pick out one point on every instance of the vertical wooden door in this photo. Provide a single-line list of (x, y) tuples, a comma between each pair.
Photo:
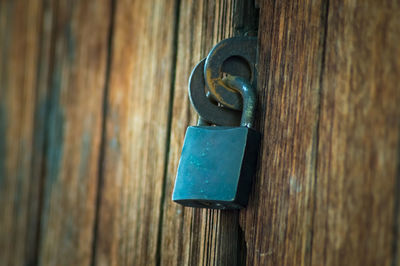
[(94, 108)]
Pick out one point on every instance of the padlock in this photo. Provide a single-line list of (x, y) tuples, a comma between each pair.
[(217, 164)]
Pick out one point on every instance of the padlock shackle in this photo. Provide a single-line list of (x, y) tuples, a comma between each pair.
[(249, 96)]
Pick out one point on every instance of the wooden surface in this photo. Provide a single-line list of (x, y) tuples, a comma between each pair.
[(136, 133), (189, 236), (73, 131), (358, 164), (327, 192), (20, 41), (54, 78), (94, 108), (278, 221)]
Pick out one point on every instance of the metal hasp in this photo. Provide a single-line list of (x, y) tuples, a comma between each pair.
[(204, 106), (218, 163), (235, 56)]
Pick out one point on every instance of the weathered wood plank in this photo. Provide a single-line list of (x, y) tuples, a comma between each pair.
[(39, 134), (358, 154), (189, 236), (278, 220), (20, 23), (176, 229), (73, 130), (327, 191), (138, 104)]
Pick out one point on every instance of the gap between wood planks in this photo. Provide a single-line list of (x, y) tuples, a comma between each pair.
[(100, 167), (169, 125), (324, 19)]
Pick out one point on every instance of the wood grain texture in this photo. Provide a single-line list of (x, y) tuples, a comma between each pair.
[(39, 131), (138, 104), (74, 105), (19, 45), (278, 221), (176, 230), (190, 236), (327, 192), (358, 153), (197, 236), (97, 91)]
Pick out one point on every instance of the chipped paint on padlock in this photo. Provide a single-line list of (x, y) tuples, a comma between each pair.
[(218, 163)]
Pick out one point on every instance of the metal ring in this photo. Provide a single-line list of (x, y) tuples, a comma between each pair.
[(243, 47), (203, 106)]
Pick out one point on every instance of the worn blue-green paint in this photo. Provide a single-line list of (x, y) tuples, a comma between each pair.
[(85, 154), (3, 141), (39, 127), (71, 230), (70, 41), (114, 143), (6, 39), (55, 129), (21, 177), (54, 140)]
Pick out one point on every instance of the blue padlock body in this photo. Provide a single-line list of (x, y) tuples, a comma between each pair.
[(217, 166)]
